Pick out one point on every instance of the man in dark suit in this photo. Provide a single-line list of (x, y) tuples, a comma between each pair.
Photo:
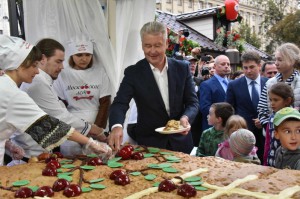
[(162, 88), (214, 89), (242, 97)]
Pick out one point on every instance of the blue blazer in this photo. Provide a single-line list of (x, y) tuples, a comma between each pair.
[(238, 96), (139, 83), (211, 91)]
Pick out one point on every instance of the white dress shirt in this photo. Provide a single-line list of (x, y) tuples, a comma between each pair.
[(257, 85)]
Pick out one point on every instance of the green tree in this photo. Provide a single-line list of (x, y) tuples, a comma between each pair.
[(287, 30), (249, 37)]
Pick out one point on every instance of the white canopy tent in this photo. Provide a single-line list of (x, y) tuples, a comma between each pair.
[(114, 29)]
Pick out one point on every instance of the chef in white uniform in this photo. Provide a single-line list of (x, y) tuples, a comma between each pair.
[(18, 111)]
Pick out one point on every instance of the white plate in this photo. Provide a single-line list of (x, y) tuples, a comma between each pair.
[(161, 130)]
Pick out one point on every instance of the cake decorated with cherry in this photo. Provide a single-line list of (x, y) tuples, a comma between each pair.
[(145, 172)]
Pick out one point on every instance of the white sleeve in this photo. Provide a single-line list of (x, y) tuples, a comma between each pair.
[(105, 89), (48, 101)]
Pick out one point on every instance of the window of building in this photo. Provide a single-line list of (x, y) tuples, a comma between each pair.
[(253, 29), (209, 5), (169, 1), (254, 17), (200, 5), (190, 3), (179, 2)]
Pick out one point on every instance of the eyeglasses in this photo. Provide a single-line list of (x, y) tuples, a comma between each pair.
[(272, 72)]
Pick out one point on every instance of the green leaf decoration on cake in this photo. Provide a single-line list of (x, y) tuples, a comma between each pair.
[(196, 183), (114, 160), (65, 161), (138, 149), (200, 188), (153, 150), (97, 186), (86, 189), (20, 183), (59, 170), (136, 173), (166, 153), (92, 155), (96, 180), (66, 177), (87, 167), (159, 166), (114, 164), (67, 173), (68, 166), (150, 177), (148, 155), (156, 184), (170, 170), (172, 158), (174, 161), (33, 188), (193, 179)]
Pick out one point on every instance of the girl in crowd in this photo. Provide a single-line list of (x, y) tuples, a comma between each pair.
[(19, 112), (84, 87), (287, 60), (234, 123), (281, 95)]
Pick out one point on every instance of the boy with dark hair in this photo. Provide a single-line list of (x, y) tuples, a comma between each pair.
[(287, 130), (210, 138)]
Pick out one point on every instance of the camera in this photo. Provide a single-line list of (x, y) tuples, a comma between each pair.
[(205, 71), (186, 32), (205, 58)]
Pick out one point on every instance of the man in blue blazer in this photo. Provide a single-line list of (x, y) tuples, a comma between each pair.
[(214, 89), (162, 88), (239, 95)]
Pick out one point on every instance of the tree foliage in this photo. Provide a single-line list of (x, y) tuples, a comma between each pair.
[(249, 37), (287, 30)]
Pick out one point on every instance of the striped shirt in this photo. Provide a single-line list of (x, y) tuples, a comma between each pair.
[(263, 107)]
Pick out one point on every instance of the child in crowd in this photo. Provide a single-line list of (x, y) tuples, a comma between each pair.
[(287, 130), (234, 123), (210, 138), (242, 146), (281, 95)]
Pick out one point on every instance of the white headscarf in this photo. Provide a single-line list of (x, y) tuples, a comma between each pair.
[(13, 51)]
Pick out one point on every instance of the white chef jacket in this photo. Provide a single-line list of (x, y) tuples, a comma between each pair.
[(82, 89), (43, 94), (17, 111)]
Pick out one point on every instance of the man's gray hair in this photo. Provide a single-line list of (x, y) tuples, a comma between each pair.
[(154, 27)]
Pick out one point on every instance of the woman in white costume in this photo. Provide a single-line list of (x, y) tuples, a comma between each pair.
[(18, 111), (84, 87)]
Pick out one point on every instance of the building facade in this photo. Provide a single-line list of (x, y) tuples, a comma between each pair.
[(251, 11)]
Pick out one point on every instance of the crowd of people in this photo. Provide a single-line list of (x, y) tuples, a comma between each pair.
[(250, 115)]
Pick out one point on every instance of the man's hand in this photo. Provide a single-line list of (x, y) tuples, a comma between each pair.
[(184, 121), (115, 138), (97, 133)]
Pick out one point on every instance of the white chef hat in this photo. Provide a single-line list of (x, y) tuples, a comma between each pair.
[(80, 46), (13, 51)]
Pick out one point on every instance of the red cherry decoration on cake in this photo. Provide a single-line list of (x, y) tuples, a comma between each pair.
[(116, 173), (125, 153), (58, 154), (130, 147), (95, 161), (51, 158), (53, 163), (122, 180), (49, 171), (72, 190), (44, 191), (186, 190), (167, 186), (24, 192), (60, 184), (137, 156)]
